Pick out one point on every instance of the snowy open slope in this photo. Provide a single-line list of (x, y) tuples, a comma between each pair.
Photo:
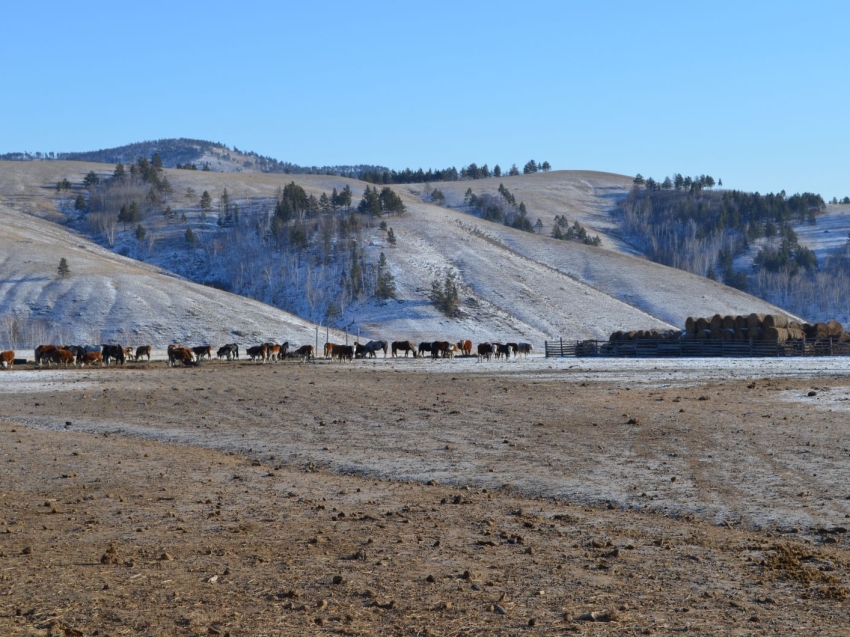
[(514, 285), (111, 298)]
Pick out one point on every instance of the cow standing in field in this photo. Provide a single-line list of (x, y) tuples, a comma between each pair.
[(440, 349), (91, 358), (143, 350), (485, 351), (112, 352), (307, 352), (180, 354), (524, 349), (403, 346), (465, 347), (257, 352), (372, 347), (61, 357), (41, 353), (200, 351), (7, 359)]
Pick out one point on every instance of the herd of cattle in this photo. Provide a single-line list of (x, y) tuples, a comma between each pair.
[(90, 355)]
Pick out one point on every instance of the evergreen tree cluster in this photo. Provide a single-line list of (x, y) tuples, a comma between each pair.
[(471, 172), (576, 232), (502, 209), (685, 225), (377, 204), (445, 295)]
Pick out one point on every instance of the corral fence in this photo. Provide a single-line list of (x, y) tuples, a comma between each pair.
[(695, 348)]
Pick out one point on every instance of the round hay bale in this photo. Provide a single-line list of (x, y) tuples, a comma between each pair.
[(715, 333), (727, 334), (835, 329), (779, 334), (775, 320), (795, 324), (755, 333), (820, 330), (755, 320), (630, 335), (615, 336), (703, 334), (741, 334), (702, 324), (795, 334), (716, 322), (740, 322), (691, 325), (728, 323)]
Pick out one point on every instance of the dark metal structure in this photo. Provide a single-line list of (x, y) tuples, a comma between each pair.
[(695, 348)]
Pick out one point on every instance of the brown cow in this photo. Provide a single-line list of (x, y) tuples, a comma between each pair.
[(403, 346), (465, 347), (7, 359), (61, 357), (129, 354), (440, 348), (329, 349), (90, 358), (143, 350), (272, 351), (257, 352), (180, 354)]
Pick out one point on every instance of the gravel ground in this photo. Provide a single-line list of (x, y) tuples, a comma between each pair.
[(425, 497)]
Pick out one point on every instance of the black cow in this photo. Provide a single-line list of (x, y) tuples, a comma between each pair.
[(112, 352)]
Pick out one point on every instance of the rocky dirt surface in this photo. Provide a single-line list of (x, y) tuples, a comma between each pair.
[(420, 498)]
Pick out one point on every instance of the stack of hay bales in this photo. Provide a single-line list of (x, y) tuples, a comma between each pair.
[(831, 329), (639, 335), (759, 327)]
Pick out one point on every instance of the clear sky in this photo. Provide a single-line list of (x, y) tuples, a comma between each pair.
[(755, 93)]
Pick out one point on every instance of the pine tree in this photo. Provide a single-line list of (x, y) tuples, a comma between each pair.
[(80, 203), (190, 236), (385, 284), (206, 201), (141, 233), (391, 237), (63, 268)]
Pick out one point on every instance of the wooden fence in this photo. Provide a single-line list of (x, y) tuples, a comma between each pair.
[(697, 348)]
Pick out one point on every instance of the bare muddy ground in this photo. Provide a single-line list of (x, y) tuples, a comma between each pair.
[(423, 498)]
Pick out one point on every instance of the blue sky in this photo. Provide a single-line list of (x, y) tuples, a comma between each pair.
[(755, 93)]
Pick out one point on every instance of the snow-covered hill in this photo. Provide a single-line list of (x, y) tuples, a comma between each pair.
[(513, 284)]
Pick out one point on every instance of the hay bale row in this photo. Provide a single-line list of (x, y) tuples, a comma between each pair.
[(639, 335), (695, 325)]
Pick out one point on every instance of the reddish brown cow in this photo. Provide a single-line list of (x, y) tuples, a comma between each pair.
[(7, 359), (465, 347), (61, 357), (180, 354), (90, 358), (129, 353), (329, 349)]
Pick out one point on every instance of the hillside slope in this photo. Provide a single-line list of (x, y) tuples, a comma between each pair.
[(514, 285), (110, 298)]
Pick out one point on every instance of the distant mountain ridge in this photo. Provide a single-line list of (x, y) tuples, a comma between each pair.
[(215, 156)]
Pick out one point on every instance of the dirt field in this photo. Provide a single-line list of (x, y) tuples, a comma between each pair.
[(429, 498)]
